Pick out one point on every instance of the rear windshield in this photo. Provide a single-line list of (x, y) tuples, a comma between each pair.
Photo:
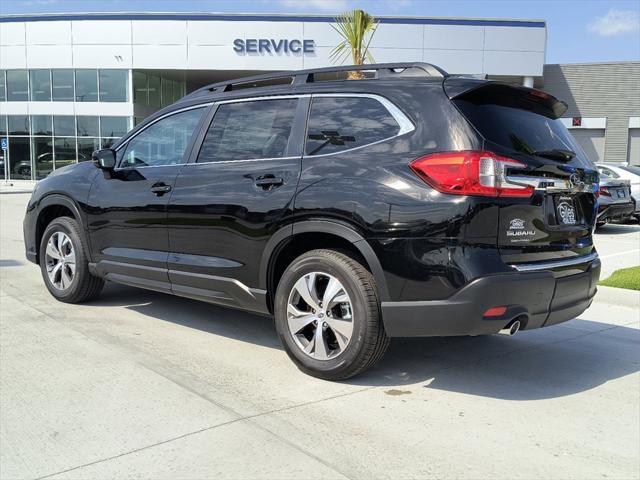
[(521, 130)]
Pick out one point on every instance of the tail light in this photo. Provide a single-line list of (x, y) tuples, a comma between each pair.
[(470, 172), (604, 191)]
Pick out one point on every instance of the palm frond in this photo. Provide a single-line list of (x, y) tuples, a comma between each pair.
[(356, 29)]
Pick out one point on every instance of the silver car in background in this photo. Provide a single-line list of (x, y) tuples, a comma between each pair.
[(614, 200), (627, 172)]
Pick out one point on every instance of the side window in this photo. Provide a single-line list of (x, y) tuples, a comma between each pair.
[(341, 123), (249, 130), (164, 142), (608, 173)]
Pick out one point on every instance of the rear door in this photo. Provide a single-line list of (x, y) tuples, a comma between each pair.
[(232, 196), (522, 124)]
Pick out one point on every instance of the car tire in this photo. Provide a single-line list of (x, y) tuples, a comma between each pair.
[(352, 336), (64, 263)]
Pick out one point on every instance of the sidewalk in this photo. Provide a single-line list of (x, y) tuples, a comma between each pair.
[(16, 186)]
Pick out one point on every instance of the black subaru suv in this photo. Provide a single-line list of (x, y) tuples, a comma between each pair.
[(408, 202)]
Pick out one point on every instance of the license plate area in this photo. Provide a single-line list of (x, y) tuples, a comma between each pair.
[(567, 210)]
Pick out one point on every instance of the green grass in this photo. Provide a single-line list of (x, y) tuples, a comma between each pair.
[(624, 278)]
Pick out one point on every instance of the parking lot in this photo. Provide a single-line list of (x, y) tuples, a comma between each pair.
[(138, 384)]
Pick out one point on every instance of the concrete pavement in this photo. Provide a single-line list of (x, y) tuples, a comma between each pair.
[(138, 384)]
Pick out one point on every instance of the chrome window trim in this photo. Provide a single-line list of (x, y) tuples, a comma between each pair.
[(398, 115), (168, 114), (243, 160), (567, 262)]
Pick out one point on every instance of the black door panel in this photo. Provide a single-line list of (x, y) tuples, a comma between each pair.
[(127, 223), (220, 220)]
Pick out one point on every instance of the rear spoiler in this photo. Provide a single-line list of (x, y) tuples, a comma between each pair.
[(504, 94)]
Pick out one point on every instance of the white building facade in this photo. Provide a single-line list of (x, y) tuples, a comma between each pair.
[(72, 83)]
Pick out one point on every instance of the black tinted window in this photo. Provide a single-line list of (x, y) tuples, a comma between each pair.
[(248, 130), (164, 142), (519, 129), (340, 123)]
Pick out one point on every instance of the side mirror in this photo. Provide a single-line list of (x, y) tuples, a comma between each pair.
[(104, 159)]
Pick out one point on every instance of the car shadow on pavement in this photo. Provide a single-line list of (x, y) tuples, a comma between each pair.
[(545, 363)]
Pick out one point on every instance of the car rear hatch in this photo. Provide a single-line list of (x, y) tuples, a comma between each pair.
[(554, 219), (615, 190)]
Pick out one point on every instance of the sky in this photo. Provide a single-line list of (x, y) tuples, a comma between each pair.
[(578, 30)]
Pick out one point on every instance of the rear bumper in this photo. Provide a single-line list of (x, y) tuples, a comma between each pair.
[(615, 211), (536, 298)]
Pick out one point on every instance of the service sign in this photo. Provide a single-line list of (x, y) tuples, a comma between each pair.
[(271, 45)]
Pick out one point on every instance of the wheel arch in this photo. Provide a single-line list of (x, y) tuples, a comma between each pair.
[(293, 240), (51, 207)]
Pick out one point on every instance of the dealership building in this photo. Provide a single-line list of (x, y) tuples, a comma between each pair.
[(73, 83)]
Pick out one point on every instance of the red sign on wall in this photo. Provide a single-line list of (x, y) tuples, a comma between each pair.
[(577, 121)]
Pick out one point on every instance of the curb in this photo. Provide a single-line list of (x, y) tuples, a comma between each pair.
[(618, 297), (19, 186), (9, 192)]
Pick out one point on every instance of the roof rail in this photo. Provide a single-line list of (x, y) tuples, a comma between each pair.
[(299, 77)]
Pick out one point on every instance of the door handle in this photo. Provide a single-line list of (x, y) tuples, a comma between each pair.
[(267, 182), (160, 188)]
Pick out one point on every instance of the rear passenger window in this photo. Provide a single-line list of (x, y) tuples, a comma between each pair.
[(341, 123), (249, 130)]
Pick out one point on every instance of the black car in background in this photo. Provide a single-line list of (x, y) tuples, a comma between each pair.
[(406, 203)]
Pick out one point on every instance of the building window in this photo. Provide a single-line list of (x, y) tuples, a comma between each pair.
[(167, 92), (20, 158), (87, 126), (40, 85), (41, 125), (154, 91), (17, 86), (64, 150), (140, 88), (3, 88), (62, 81), (178, 91), (42, 148), (86, 146), (87, 85), (114, 85), (64, 126), (41, 143), (113, 126), (18, 124)]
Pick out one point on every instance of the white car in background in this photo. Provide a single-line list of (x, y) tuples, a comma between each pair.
[(625, 172)]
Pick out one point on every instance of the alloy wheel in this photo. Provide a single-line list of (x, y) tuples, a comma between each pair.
[(320, 315), (60, 260)]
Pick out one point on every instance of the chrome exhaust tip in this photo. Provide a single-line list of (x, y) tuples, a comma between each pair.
[(511, 329)]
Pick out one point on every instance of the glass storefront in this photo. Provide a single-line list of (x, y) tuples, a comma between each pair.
[(156, 91), (64, 85), (38, 144)]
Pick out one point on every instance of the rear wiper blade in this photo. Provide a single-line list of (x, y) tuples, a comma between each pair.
[(556, 154)]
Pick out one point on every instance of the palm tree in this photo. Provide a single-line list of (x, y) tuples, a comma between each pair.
[(354, 27)]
